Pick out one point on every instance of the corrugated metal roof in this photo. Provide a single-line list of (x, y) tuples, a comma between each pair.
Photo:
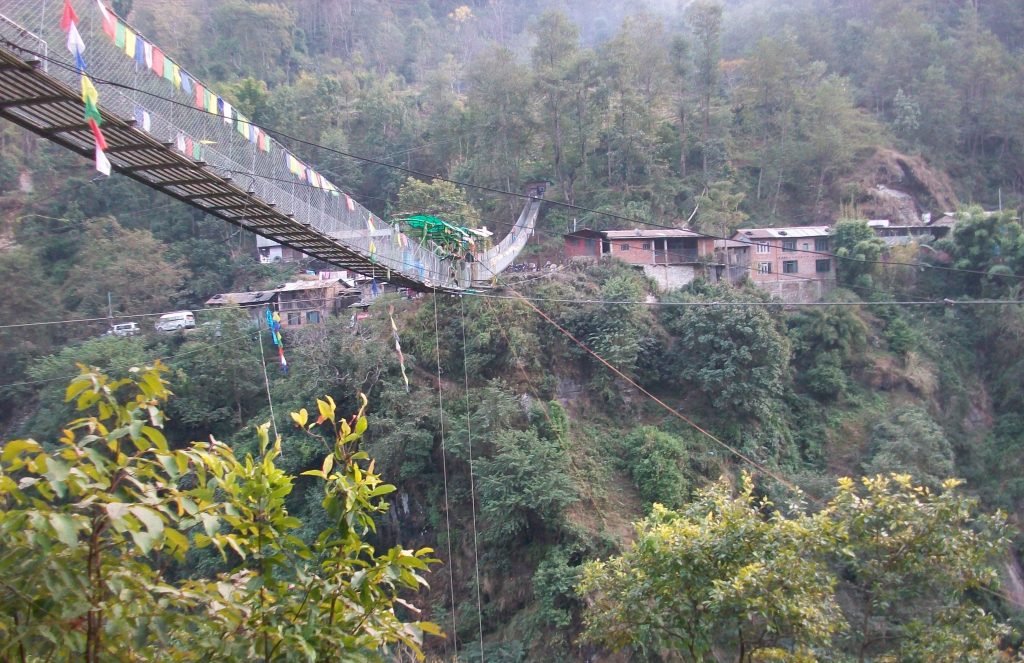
[(241, 298), (782, 233), (648, 234)]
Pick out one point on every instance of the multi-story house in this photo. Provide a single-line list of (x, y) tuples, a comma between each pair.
[(795, 264)]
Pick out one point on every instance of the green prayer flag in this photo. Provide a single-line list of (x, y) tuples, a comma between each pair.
[(119, 36), (197, 151), (91, 112)]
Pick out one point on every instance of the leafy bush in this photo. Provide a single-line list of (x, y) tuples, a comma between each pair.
[(657, 464), (82, 524), (524, 485)]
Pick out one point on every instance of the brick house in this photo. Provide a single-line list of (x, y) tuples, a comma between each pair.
[(793, 263), (672, 257)]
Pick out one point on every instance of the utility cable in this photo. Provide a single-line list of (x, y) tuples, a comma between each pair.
[(472, 483), (444, 474), (731, 449)]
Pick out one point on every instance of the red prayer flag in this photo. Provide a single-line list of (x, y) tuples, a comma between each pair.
[(68, 17), (189, 146), (158, 61), (109, 22), (101, 142), (200, 95)]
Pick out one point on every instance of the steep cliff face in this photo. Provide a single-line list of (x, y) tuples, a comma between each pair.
[(901, 188)]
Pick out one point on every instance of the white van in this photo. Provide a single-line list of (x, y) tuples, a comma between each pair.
[(176, 320), (124, 329)]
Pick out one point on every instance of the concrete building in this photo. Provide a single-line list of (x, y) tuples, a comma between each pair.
[(794, 264)]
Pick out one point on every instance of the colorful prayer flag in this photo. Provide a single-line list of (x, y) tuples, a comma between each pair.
[(68, 18), (398, 346), (186, 82), (176, 75), (75, 43), (129, 42), (101, 142), (169, 69), (200, 95), (142, 118), (147, 52), (109, 22), (102, 162), (228, 112), (140, 52), (119, 35), (181, 142), (349, 204), (158, 61)]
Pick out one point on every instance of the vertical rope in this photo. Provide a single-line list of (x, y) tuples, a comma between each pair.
[(444, 473), (472, 485), (266, 379)]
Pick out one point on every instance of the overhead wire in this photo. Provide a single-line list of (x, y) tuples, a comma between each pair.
[(472, 481), (444, 474), (480, 187)]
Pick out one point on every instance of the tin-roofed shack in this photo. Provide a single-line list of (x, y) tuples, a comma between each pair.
[(298, 302)]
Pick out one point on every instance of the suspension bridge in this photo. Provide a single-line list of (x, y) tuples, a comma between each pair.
[(169, 130)]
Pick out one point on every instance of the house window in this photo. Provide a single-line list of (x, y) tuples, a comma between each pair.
[(790, 267), (823, 266), (807, 246), (313, 317), (624, 247), (294, 318), (821, 244), (789, 245), (646, 246), (764, 267), (764, 248)]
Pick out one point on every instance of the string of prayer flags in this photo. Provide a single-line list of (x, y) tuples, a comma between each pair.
[(90, 97), (373, 246), (274, 325), (398, 346), (147, 55)]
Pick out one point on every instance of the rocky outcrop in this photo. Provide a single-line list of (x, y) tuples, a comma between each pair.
[(901, 188)]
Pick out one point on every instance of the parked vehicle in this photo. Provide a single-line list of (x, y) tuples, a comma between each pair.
[(169, 322), (124, 329)]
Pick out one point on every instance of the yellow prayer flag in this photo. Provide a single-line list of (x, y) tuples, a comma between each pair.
[(89, 93), (177, 75), (129, 42)]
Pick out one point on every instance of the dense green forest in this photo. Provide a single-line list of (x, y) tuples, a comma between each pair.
[(532, 471)]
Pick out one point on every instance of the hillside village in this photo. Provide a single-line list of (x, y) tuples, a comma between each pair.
[(511, 331)]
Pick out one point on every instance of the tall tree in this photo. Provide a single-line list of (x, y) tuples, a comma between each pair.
[(705, 19)]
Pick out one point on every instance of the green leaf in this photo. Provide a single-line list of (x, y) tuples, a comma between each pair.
[(64, 525)]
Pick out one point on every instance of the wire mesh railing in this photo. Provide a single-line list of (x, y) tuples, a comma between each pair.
[(215, 136)]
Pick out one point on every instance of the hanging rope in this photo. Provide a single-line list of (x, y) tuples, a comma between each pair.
[(472, 484), (444, 473), (266, 378)]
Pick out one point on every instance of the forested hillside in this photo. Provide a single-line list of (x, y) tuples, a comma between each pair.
[(518, 456)]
